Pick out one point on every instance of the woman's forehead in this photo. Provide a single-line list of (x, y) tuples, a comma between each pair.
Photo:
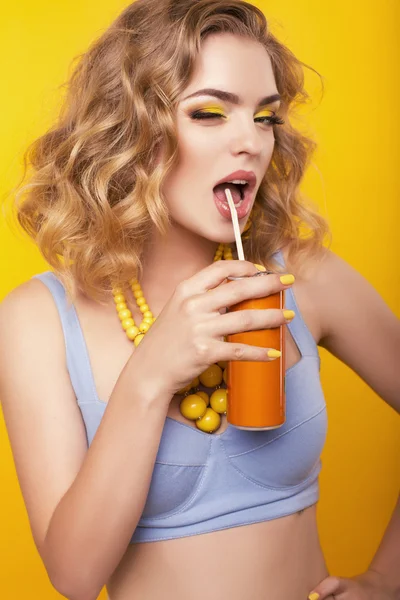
[(234, 64)]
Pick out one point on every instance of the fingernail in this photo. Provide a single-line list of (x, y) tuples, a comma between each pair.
[(274, 353), (289, 314), (313, 596), (260, 267), (287, 279)]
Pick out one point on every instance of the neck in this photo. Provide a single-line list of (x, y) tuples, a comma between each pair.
[(169, 260)]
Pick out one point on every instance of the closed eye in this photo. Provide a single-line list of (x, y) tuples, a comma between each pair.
[(274, 120), (200, 115)]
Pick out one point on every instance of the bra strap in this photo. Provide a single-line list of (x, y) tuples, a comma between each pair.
[(298, 328), (77, 357)]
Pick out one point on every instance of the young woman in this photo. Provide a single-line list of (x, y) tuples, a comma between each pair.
[(121, 488)]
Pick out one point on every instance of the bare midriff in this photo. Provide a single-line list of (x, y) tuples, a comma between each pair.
[(280, 559)]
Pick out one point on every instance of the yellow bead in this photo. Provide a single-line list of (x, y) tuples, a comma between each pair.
[(195, 382), (222, 363), (218, 401), (119, 298), (121, 306), (225, 375), (144, 327), (117, 291), (136, 287), (138, 339), (132, 332), (210, 422), (126, 323), (140, 301), (124, 314), (148, 320), (193, 407), (138, 293), (144, 308), (205, 396), (148, 313), (184, 389), (211, 376)]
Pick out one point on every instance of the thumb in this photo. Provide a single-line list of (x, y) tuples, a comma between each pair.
[(327, 587)]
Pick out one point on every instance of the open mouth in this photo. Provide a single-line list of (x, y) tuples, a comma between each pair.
[(238, 189)]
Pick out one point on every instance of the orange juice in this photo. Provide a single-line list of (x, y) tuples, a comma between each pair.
[(256, 390)]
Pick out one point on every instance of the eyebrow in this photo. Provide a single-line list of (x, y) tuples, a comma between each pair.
[(232, 98)]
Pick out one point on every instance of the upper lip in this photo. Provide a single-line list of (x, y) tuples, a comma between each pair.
[(248, 176)]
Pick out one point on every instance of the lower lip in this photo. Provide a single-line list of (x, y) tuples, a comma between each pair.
[(242, 209)]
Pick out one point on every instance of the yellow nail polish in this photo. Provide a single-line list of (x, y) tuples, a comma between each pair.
[(289, 314), (287, 279), (274, 353), (260, 267), (313, 596)]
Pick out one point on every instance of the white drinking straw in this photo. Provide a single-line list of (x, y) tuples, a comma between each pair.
[(235, 222)]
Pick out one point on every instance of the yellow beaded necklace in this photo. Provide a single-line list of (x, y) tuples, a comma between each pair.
[(196, 405)]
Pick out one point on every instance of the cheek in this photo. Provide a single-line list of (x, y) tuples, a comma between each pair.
[(269, 149), (195, 151), (196, 137)]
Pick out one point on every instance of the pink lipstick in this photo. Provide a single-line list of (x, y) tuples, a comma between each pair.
[(241, 184)]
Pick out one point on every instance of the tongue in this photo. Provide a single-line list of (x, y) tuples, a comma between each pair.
[(219, 191)]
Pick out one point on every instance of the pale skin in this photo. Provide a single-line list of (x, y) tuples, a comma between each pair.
[(282, 558)]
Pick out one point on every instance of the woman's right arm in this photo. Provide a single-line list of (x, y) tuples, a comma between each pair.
[(94, 522), (83, 504)]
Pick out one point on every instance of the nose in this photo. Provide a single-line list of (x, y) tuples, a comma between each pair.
[(247, 138)]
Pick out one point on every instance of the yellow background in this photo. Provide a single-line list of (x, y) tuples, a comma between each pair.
[(354, 180)]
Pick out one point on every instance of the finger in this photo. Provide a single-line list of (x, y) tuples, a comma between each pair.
[(233, 351), (237, 291), (215, 274), (328, 587), (247, 320)]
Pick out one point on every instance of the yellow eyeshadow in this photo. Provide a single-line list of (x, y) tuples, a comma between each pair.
[(265, 113), (213, 109)]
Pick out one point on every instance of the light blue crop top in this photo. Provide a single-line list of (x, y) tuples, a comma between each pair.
[(202, 482)]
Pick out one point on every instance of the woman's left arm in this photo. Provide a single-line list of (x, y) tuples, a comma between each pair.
[(357, 326), (359, 329)]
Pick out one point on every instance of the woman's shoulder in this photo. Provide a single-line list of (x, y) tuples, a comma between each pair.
[(309, 270), (30, 291), (307, 266), (29, 308), (322, 272)]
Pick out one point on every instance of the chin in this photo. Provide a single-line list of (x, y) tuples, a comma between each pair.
[(220, 236), (217, 231)]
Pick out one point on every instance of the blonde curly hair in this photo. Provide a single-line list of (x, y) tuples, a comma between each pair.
[(94, 193)]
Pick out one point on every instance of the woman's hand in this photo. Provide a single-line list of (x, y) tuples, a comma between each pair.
[(188, 335), (370, 585)]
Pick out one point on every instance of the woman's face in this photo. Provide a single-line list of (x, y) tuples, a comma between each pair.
[(219, 134)]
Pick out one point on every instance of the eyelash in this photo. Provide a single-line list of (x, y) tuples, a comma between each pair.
[(199, 115)]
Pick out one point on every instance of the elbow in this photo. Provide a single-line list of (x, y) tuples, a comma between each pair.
[(74, 582), (74, 590)]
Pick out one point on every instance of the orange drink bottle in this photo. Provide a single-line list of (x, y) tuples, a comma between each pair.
[(256, 398)]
